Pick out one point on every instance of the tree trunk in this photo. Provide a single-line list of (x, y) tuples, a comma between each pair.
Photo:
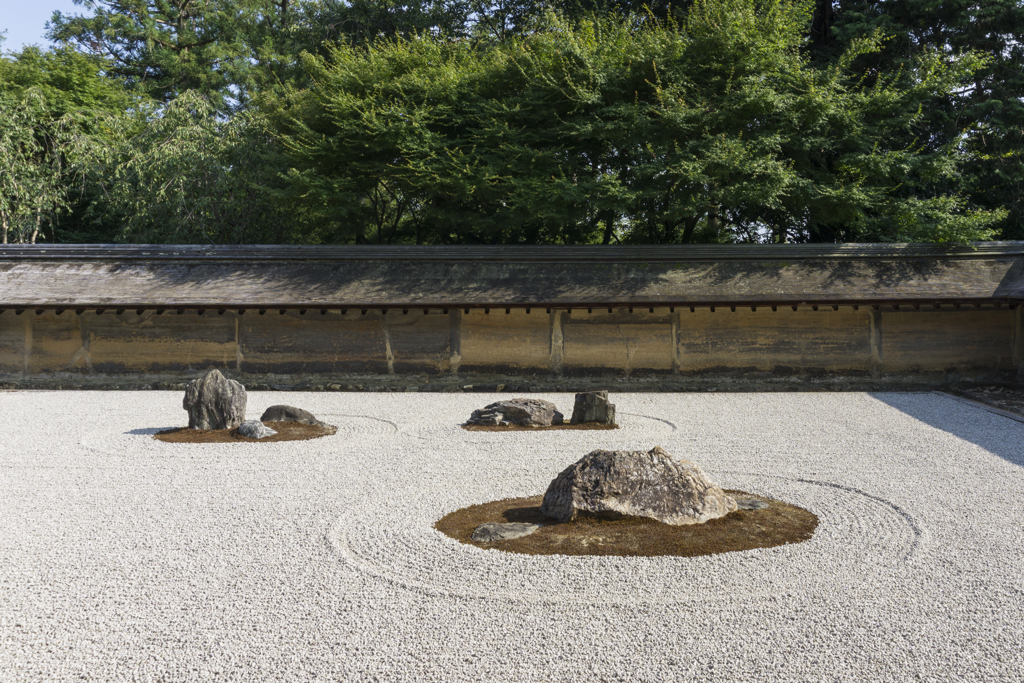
[(39, 218), (821, 23), (3, 219), (691, 224), (608, 217), (713, 222)]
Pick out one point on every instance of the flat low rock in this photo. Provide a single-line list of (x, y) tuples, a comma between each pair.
[(524, 412), (490, 532), (254, 429), (751, 504), (214, 402), (283, 413), (636, 484)]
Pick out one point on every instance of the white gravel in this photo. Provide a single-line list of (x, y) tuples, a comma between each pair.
[(127, 559)]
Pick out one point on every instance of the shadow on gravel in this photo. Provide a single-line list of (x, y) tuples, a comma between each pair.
[(147, 431), (995, 433)]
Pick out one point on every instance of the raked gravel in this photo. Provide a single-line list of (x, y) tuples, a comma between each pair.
[(123, 558)]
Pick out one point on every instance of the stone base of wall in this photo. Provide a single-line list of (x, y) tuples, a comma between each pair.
[(514, 384)]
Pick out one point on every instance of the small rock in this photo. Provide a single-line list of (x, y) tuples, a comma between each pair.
[(636, 484), (593, 406), (525, 412), (284, 413), (254, 429), (750, 504), (489, 533), (214, 402)]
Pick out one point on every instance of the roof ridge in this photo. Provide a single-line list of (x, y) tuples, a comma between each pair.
[(521, 253)]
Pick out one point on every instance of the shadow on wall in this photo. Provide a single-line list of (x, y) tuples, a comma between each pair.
[(1002, 436), (383, 282)]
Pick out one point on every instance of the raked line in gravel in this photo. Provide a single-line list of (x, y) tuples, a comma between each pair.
[(130, 559)]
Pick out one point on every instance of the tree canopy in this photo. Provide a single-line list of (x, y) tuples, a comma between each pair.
[(602, 130), (517, 122)]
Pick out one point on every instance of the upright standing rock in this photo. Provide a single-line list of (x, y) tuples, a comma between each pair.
[(636, 484), (593, 406), (214, 402)]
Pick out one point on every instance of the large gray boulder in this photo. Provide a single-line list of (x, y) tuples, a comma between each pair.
[(593, 406), (636, 484), (525, 412), (214, 402), (283, 413)]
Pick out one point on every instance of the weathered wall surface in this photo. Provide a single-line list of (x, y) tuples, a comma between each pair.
[(885, 344), (782, 342)]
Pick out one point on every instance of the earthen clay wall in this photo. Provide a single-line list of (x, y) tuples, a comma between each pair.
[(884, 344)]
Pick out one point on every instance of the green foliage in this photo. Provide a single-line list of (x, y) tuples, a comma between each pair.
[(612, 130), (161, 47), (69, 81), (48, 100), (185, 176), (55, 99), (984, 116), (33, 179), (515, 121)]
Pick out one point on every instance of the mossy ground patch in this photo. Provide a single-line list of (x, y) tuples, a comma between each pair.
[(778, 524), (286, 431)]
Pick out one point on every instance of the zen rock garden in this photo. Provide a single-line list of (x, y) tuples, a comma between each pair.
[(216, 414), (609, 502)]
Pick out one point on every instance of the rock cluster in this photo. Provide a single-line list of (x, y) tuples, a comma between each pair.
[(524, 412), (636, 484), (590, 407), (214, 402), (593, 406)]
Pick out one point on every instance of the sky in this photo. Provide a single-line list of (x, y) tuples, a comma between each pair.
[(25, 20)]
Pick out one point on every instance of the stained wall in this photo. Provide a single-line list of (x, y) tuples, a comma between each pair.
[(886, 342)]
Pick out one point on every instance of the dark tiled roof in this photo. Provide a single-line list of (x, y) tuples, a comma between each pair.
[(89, 276)]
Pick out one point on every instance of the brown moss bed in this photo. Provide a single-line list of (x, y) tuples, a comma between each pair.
[(286, 431), (522, 428), (778, 524)]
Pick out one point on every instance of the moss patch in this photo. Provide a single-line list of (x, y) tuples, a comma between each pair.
[(778, 524), (286, 431)]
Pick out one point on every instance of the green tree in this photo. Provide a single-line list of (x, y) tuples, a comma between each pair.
[(69, 81), (984, 115), (33, 176), (619, 129), (187, 175), (57, 98), (231, 49), (160, 47)]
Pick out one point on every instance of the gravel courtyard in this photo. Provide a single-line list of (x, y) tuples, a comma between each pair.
[(127, 559)]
